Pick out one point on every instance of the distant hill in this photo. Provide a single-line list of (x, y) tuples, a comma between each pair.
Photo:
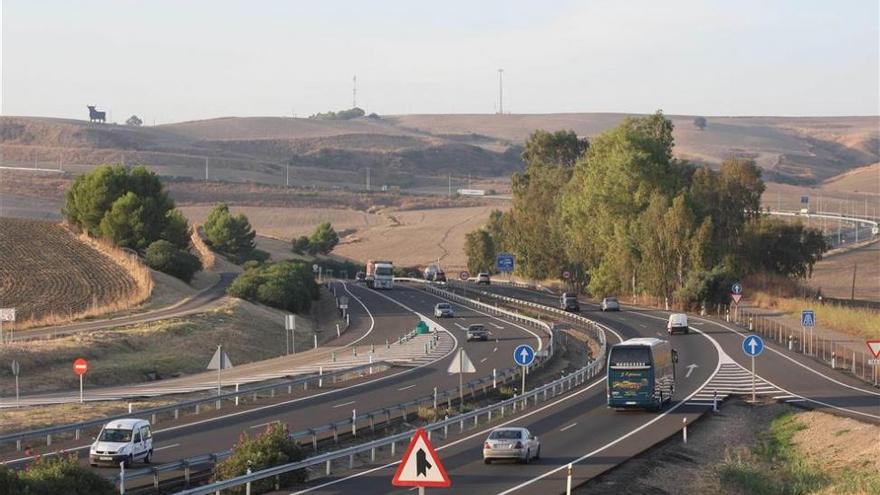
[(860, 180), (397, 148)]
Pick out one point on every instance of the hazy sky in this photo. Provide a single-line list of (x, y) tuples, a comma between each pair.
[(185, 59)]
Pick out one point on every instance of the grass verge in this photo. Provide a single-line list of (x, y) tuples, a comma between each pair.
[(861, 322)]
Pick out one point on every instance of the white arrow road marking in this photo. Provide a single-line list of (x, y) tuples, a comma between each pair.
[(344, 404), (690, 368), (568, 427)]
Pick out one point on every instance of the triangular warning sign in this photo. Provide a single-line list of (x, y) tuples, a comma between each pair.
[(736, 297), (420, 465), (874, 345), (220, 361), (461, 363)]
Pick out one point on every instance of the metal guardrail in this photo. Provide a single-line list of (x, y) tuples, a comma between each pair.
[(552, 389), (174, 409)]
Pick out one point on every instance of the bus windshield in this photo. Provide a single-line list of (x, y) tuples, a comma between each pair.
[(630, 357), (384, 271)]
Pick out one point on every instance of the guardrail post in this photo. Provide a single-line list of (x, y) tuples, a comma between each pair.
[(76, 433), (372, 424), (122, 478), (315, 441), (461, 426), (393, 444), (335, 435), (247, 487), (186, 473), (272, 392), (177, 412), (156, 480), (684, 430), (327, 469), (494, 384), (18, 445), (130, 406), (435, 397), (350, 461), (48, 440), (197, 408), (152, 420), (354, 422)]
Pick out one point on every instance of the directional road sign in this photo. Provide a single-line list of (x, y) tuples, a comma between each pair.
[(753, 346), (80, 366), (566, 275), (874, 345), (524, 355), (737, 288), (504, 262), (7, 314), (464, 275), (420, 465), (808, 318), (16, 368), (805, 200)]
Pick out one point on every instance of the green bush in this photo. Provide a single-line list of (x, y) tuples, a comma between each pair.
[(60, 474), (165, 257), (10, 484), (288, 285), (300, 244), (230, 234), (268, 449), (323, 239)]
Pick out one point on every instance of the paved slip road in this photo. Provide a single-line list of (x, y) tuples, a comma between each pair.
[(394, 313)]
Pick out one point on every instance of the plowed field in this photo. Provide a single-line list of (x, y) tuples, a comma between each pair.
[(51, 276)]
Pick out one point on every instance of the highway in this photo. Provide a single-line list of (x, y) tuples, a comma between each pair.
[(393, 312), (579, 429)]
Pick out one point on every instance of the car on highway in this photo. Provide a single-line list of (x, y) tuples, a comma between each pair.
[(122, 440), (483, 278), (678, 323), (511, 443), (569, 302), (360, 277), (440, 277), (610, 304), (443, 310), (477, 332)]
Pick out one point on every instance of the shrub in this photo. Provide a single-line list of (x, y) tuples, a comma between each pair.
[(300, 244), (10, 484), (268, 449), (288, 285), (230, 234), (165, 257), (323, 239), (62, 474)]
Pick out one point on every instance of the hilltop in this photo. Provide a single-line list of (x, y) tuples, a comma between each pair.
[(402, 150)]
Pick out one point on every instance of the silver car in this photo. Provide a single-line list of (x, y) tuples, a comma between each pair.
[(610, 304), (443, 310), (511, 443)]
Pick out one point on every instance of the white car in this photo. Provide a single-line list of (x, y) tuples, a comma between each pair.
[(482, 278), (122, 440), (610, 304), (443, 310), (678, 322), (511, 443)]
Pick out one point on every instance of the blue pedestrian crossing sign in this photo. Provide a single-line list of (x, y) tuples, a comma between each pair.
[(523, 355), (808, 318), (753, 345)]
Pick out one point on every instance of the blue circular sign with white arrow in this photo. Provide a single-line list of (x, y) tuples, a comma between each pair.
[(753, 345), (524, 355), (737, 288)]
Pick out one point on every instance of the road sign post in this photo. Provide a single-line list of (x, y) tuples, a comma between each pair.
[(219, 361), (753, 346), (504, 262), (80, 367), (6, 314), (420, 466), (736, 293), (461, 364), (16, 369), (808, 320), (290, 332), (524, 356)]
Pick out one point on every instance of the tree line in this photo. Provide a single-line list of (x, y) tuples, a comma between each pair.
[(622, 215)]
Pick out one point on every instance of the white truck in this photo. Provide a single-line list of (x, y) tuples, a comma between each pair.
[(380, 274)]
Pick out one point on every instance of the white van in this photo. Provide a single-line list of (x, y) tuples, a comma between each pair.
[(122, 440), (678, 322)]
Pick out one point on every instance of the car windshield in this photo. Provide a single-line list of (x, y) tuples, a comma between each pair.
[(115, 435), (384, 271), (475, 328), (444, 306), (505, 435), (611, 299)]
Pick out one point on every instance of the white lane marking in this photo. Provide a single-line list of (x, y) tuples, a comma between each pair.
[(285, 403), (344, 404), (254, 427), (568, 427), (461, 326), (499, 327), (157, 449), (495, 350), (483, 360), (814, 401), (406, 387), (477, 434)]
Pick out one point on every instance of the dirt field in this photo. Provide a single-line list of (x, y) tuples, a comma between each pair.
[(834, 275), (51, 276)]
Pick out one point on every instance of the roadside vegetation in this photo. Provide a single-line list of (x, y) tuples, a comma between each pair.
[(232, 235), (54, 475), (776, 464), (132, 209), (322, 241), (287, 285), (625, 217), (862, 322), (268, 449)]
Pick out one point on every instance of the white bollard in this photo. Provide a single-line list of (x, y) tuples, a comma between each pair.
[(715, 401), (684, 431)]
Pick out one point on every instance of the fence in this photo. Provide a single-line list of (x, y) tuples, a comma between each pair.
[(832, 352)]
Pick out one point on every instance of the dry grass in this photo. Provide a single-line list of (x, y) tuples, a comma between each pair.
[(202, 250), (52, 277), (834, 274), (861, 322), (285, 223), (30, 418), (166, 348)]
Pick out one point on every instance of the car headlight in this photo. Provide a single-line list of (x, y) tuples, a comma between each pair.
[(123, 449)]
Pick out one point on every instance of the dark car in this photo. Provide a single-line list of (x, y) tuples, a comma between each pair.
[(569, 302), (360, 277), (440, 277), (477, 332)]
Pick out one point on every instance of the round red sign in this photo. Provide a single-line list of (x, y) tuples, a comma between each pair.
[(80, 366)]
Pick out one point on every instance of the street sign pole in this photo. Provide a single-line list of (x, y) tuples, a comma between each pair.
[(80, 389), (753, 379), (219, 368), (461, 379), (17, 403)]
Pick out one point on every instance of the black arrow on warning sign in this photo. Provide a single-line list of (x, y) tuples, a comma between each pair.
[(422, 464)]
